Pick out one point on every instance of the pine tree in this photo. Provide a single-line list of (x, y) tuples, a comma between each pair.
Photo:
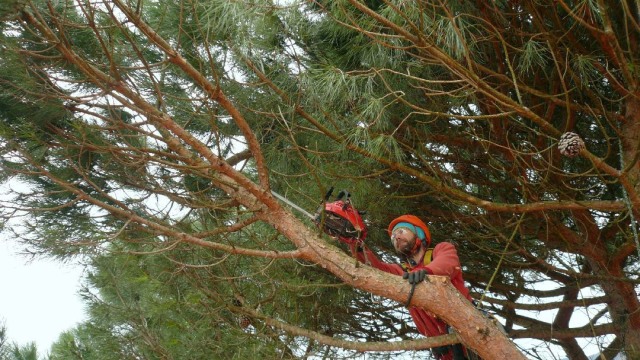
[(151, 134)]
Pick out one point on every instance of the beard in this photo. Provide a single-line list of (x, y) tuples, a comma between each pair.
[(405, 247)]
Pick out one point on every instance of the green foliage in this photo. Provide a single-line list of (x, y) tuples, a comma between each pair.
[(535, 56), (14, 351), (584, 67), (145, 306), (11, 8)]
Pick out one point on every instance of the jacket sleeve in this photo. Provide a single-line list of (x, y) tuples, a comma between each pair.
[(366, 256), (445, 260)]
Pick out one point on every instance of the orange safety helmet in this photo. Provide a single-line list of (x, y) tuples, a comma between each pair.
[(415, 221)]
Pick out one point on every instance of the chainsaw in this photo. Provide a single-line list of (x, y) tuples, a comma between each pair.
[(339, 218)]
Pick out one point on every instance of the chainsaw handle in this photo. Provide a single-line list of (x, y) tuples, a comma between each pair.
[(328, 194), (342, 193)]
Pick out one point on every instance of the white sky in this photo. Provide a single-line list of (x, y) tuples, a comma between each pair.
[(39, 298)]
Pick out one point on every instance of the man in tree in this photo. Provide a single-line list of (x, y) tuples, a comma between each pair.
[(411, 239)]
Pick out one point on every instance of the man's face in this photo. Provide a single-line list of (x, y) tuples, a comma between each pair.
[(403, 240)]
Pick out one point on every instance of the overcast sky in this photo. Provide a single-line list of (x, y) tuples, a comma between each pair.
[(39, 298)]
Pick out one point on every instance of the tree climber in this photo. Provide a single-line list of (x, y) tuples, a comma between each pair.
[(411, 239)]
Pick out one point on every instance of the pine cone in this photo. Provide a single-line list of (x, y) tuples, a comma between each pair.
[(570, 144)]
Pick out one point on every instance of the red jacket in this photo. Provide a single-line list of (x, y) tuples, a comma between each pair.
[(444, 261)]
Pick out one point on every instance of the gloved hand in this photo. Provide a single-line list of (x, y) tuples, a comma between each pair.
[(414, 278)]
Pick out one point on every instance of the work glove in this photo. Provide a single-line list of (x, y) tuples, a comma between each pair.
[(414, 278)]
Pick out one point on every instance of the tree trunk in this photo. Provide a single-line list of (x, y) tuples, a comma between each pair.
[(630, 138), (624, 309), (627, 306)]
